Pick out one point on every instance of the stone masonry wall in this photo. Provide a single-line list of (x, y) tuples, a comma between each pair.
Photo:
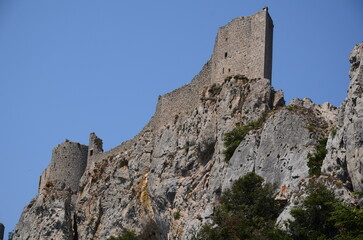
[(95, 145), (268, 47), (181, 100), (244, 46), (69, 160), (169, 105), (248, 43)]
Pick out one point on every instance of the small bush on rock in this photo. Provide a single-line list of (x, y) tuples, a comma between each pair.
[(316, 160), (177, 215), (233, 138)]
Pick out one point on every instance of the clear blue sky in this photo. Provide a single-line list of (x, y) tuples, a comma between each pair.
[(70, 67)]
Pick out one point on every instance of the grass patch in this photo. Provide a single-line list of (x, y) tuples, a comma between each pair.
[(334, 132), (177, 215), (291, 107), (310, 128)]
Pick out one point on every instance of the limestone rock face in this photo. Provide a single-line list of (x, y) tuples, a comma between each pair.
[(165, 182), (49, 215), (180, 167), (176, 168), (345, 144)]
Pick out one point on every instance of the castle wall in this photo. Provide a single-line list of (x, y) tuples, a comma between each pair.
[(69, 160), (181, 100), (269, 27), (248, 44), (244, 46)]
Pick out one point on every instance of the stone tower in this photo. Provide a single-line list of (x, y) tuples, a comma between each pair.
[(95, 145), (244, 46), (69, 160)]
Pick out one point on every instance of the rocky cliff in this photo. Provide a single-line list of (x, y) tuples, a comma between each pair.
[(166, 181), (345, 145)]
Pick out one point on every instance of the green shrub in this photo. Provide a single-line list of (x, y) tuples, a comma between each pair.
[(233, 138), (291, 107), (312, 220), (334, 132), (348, 220), (316, 160), (246, 211), (150, 231), (177, 215), (250, 193), (358, 193), (310, 128), (322, 216)]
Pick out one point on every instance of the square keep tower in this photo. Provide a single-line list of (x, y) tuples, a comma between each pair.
[(244, 46)]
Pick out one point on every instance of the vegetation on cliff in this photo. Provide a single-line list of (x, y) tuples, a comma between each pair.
[(322, 216), (248, 211), (233, 138), (316, 160)]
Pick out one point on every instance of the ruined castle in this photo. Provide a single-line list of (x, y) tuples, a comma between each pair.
[(69, 160), (166, 181), (242, 47)]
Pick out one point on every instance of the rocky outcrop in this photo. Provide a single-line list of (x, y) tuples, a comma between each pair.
[(342, 166), (49, 215), (180, 167), (165, 183), (345, 144)]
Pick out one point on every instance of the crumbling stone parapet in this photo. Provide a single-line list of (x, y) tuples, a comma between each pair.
[(95, 145)]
